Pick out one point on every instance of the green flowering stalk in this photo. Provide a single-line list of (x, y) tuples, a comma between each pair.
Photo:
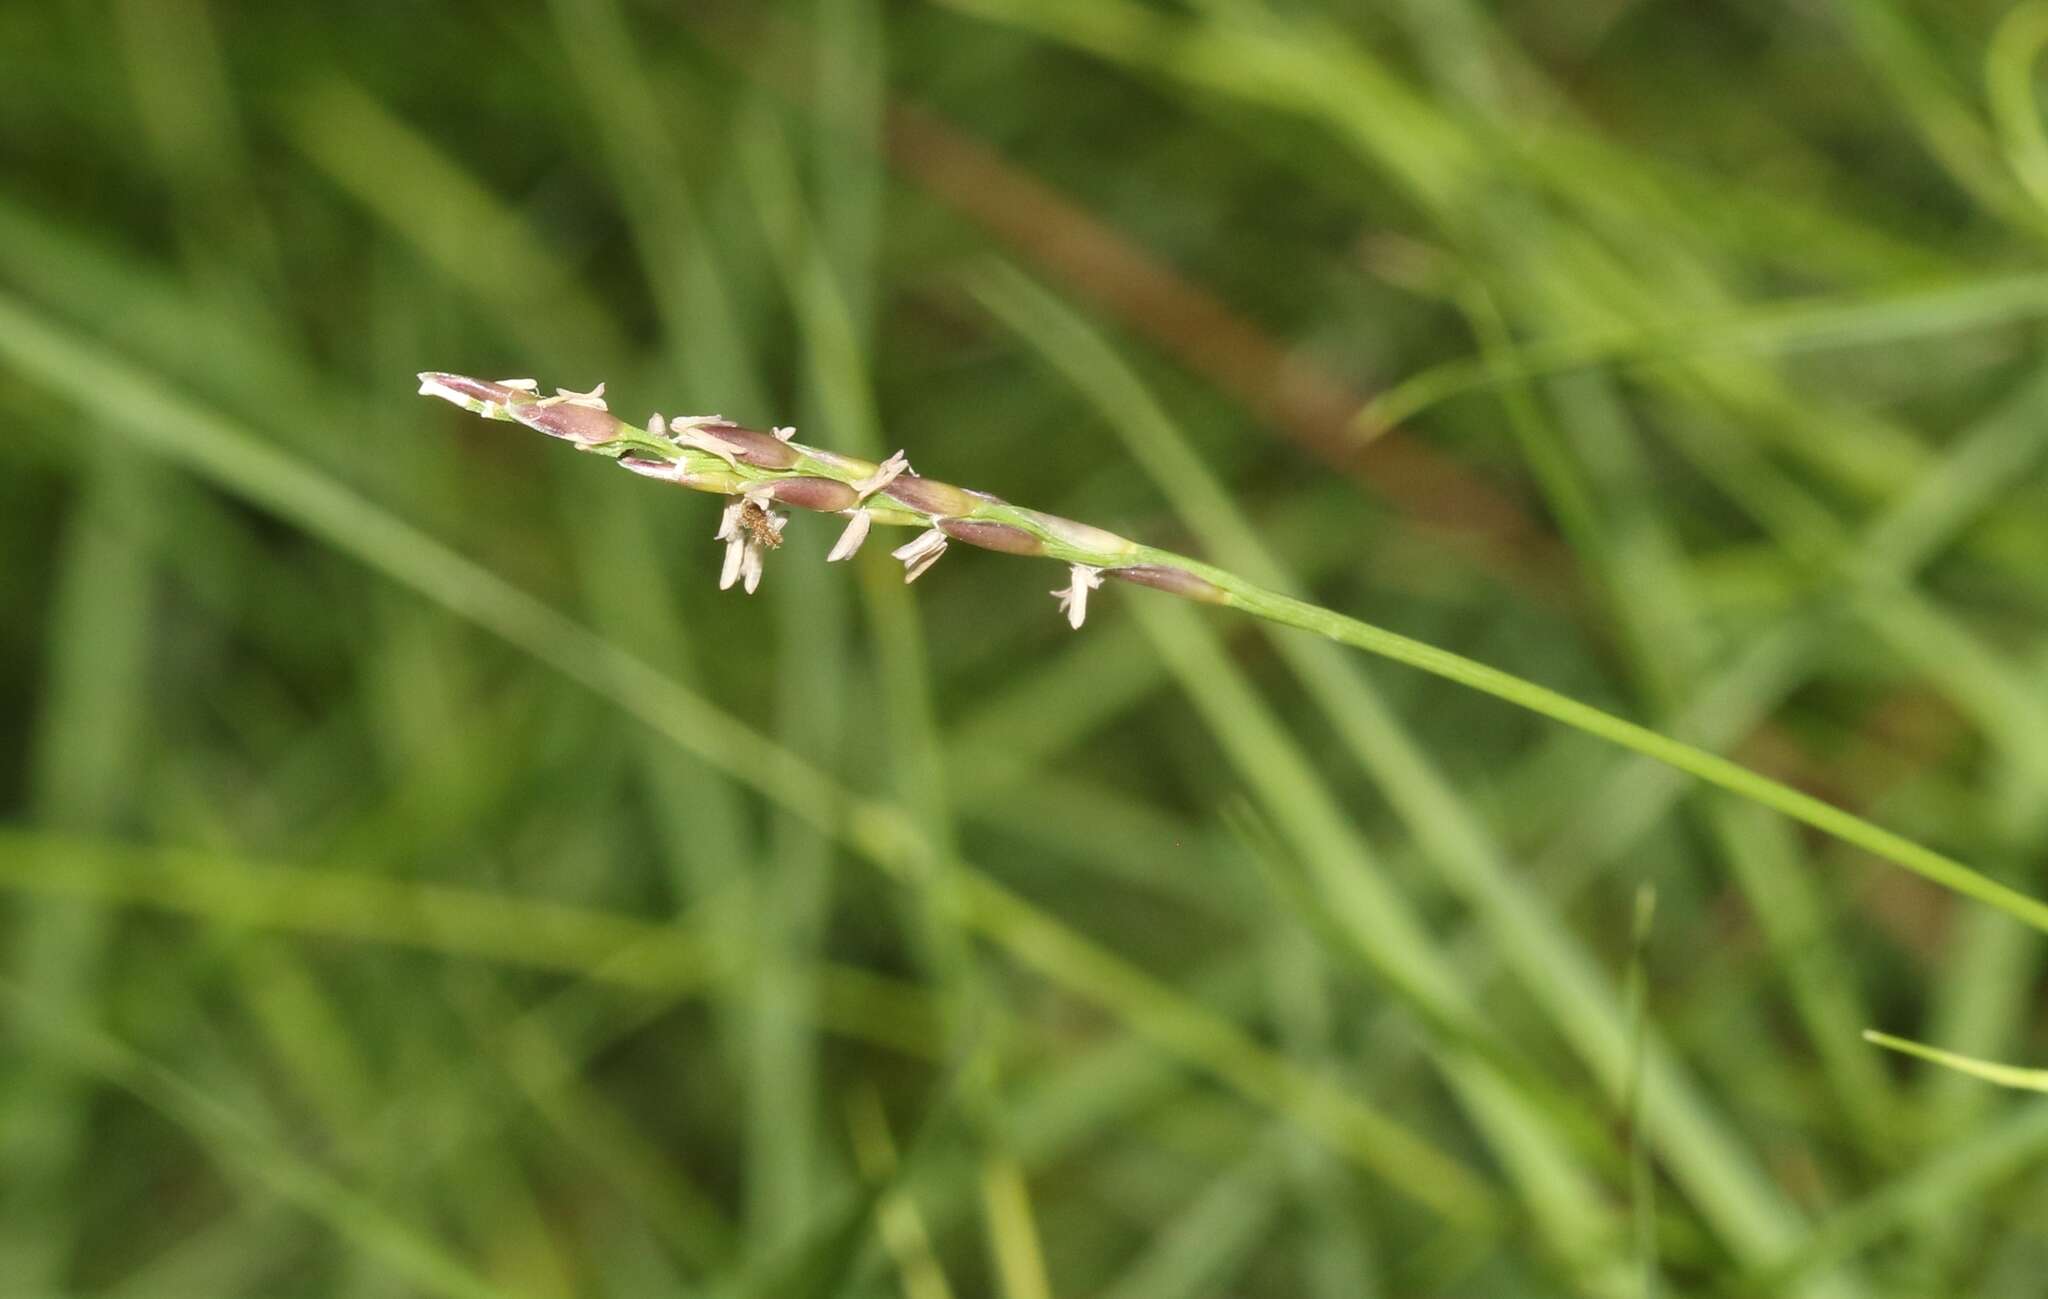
[(760, 471)]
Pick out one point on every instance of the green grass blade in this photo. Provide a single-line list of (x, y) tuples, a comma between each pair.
[(2005, 1075)]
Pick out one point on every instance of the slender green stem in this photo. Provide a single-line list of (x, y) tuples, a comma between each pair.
[(729, 460), (1709, 767), (2005, 1075)]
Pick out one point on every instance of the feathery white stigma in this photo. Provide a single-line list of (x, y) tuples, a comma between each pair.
[(920, 553), (693, 431), (885, 473), (849, 541), (594, 399), (1074, 598)]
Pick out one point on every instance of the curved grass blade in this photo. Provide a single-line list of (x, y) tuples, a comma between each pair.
[(2005, 1075)]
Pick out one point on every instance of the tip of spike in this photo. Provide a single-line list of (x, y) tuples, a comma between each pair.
[(490, 400)]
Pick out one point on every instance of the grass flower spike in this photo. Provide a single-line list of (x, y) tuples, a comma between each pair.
[(763, 469)]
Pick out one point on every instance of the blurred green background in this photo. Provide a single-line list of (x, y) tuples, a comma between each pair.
[(417, 879)]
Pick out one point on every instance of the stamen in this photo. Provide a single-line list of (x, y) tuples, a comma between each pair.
[(857, 523), (920, 553)]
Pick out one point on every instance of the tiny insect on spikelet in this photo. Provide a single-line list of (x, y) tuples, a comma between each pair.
[(761, 527)]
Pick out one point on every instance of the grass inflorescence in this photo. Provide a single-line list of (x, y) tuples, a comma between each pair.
[(711, 454)]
